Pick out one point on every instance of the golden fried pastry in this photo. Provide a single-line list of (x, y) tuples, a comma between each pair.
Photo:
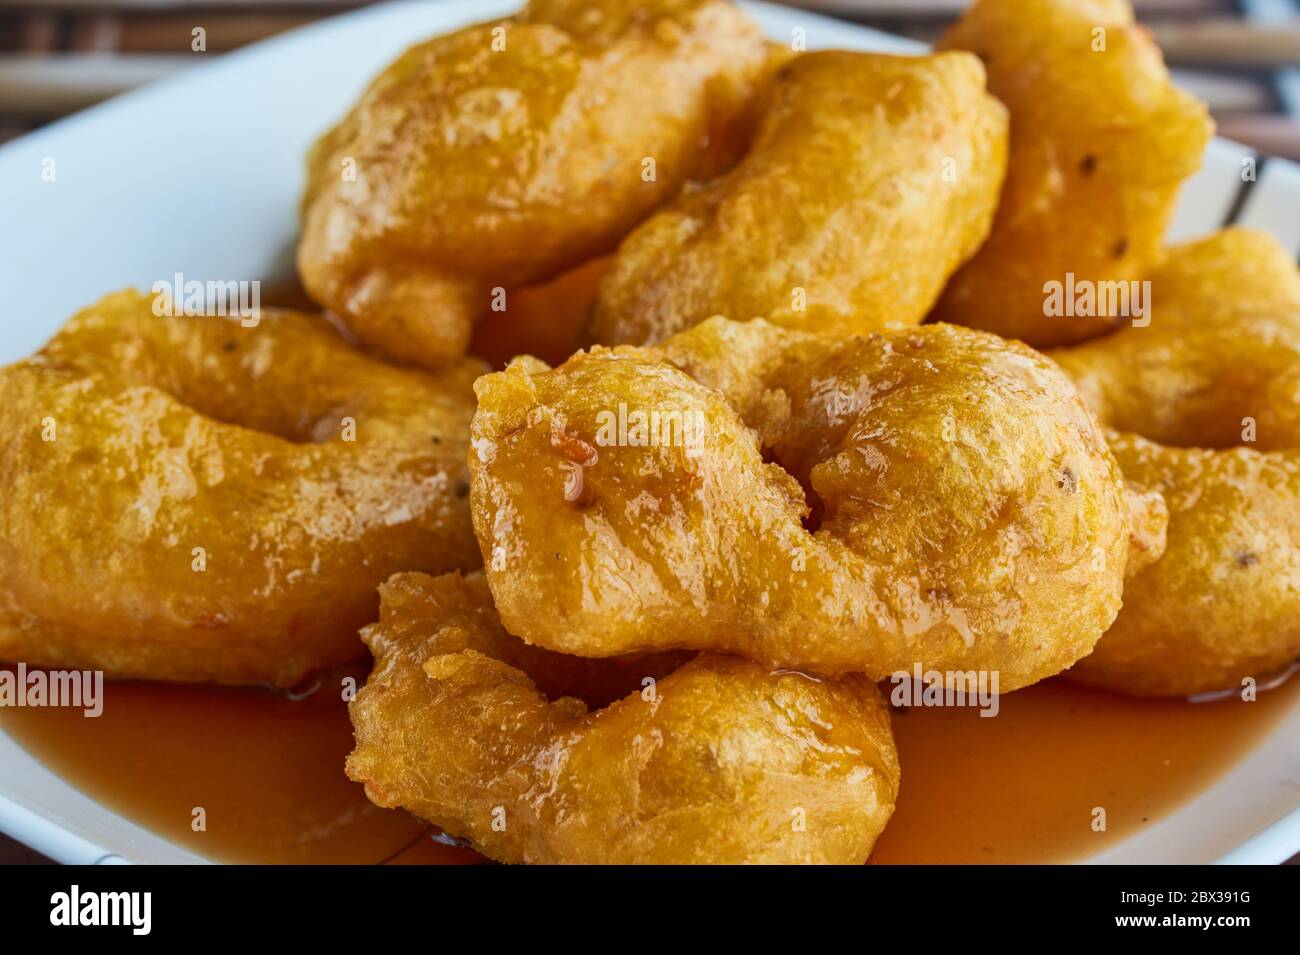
[(1100, 141), (547, 320), (1223, 345), (719, 762), (508, 152), (189, 499), (871, 178), (936, 496), (1218, 367)]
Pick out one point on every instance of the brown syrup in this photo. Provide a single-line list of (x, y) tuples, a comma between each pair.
[(1016, 788), (1019, 787), (266, 769)]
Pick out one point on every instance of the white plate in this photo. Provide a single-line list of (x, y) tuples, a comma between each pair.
[(201, 173)]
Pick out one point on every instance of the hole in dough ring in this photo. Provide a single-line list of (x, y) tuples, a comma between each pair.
[(937, 497), (186, 498)]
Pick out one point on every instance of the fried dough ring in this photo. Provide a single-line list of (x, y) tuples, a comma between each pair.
[(970, 513), (721, 762), (478, 167), (1222, 351), (870, 179), (1100, 142), (171, 434)]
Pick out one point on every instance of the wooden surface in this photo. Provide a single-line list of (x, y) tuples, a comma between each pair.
[(57, 56), (15, 853)]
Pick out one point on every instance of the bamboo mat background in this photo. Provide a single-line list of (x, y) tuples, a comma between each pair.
[(59, 56)]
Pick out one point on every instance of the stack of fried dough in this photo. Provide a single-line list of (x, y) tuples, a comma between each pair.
[(814, 426)]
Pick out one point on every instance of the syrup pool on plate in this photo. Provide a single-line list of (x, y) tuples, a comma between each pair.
[(267, 769)]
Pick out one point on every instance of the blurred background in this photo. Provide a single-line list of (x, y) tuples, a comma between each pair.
[(58, 56)]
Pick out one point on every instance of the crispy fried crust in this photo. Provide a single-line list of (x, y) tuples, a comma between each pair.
[(968, 513), (871, 178), (479, 167), (720, 761), (1223, 344), (1100, 141), (130, 440), (1218, 366)]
